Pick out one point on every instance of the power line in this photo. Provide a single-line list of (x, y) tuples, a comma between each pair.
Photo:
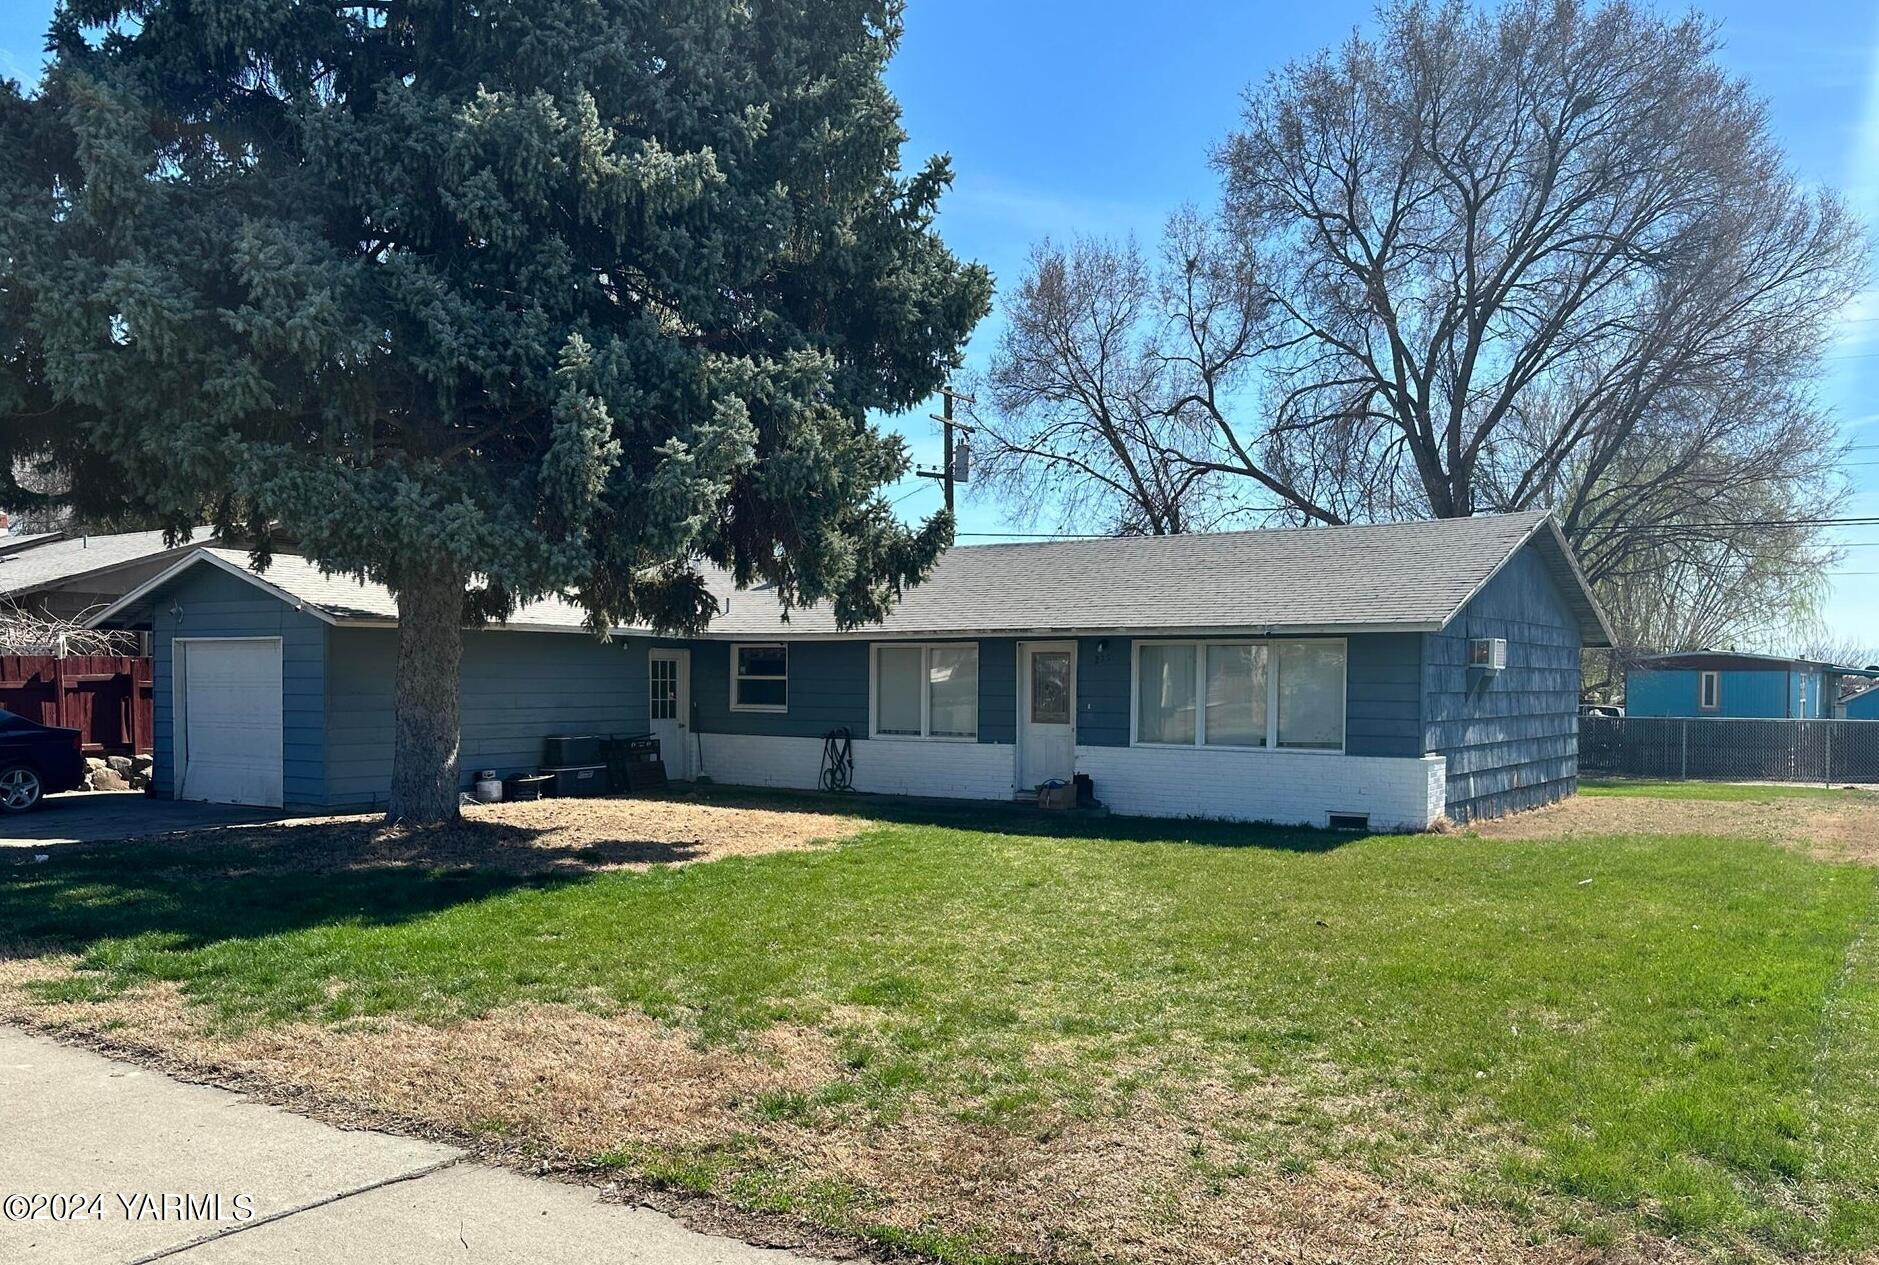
[(1863, 520)]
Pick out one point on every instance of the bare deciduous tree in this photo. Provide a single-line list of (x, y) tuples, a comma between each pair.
[(1544, 256), (25, 632), (1073, 415)]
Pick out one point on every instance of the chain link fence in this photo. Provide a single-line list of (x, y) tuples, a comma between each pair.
[(1715, 749)]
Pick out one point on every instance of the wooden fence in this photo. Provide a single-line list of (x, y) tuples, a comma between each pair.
[(104, 697)]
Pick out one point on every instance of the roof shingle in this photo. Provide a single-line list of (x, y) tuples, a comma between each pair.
[(39, 565), (1322, 579)]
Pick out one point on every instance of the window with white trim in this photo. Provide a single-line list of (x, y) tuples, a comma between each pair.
[(926, 691), (760, 677), (1286, 694), (1711, 691)]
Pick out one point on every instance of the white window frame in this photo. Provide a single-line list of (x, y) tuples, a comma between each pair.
[(1709, 685), (737, 675), (926, 692), (1271, 645)]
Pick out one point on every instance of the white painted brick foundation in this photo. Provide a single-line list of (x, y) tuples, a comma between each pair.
[(1289, 787), (945, 770)]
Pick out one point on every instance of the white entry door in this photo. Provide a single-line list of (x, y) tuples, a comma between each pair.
[(228, 727), (1046, 712), (669, 702)]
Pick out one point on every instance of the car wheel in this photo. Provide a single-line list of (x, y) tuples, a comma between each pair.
[(20, 789)]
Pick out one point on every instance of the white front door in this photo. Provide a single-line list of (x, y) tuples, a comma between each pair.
[(1047, 686), (229, 726), (669, 704)]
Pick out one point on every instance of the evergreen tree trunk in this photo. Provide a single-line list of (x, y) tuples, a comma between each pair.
[(430, 658)]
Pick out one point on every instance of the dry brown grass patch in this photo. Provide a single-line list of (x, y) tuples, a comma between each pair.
[(1828, 829), (1157, 1179)]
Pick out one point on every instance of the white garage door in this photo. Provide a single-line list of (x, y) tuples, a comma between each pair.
[(229, 729)]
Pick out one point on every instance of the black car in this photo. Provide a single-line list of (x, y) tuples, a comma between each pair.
[(35, 761)]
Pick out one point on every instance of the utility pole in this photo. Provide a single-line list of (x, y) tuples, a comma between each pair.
[(956, 461)]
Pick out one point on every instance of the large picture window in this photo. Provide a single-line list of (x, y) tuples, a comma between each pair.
[(1287, 694), (760, 678), (926, 691)]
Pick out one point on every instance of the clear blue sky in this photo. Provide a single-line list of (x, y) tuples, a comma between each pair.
[(1095, 116)]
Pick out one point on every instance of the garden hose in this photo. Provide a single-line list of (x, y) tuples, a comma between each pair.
[(838, 761)]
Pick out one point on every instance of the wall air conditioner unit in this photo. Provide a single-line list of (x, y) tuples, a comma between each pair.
[(1488, 653)]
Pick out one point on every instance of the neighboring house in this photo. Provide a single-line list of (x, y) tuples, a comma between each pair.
[(1306, 676), (1731, 685), (69, 577), (1860, 700)]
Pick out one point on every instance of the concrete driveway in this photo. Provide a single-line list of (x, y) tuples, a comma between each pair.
[(201, 1176), (101, 816)]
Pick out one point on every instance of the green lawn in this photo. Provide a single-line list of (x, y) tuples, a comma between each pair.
[(1727, 791), (1673, 1034)]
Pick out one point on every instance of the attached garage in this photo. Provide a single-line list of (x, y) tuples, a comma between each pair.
[(276, 689), (228, 728)]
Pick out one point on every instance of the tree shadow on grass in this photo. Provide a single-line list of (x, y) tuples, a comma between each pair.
[(244, 882), (996, 817), (250, 881)]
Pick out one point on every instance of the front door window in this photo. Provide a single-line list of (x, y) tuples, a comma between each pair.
[(1050, 687)]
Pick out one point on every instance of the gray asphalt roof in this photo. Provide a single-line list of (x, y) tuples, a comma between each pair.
[(1399, 575), (347, 599), (41, 565), (1319, 578)]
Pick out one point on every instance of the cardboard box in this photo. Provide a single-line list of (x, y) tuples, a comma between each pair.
[(1062, 795)]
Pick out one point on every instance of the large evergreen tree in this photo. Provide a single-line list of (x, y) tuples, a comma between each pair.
[(485, 300)]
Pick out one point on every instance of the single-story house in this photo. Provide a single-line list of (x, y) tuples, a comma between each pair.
[(1389, 675), (1732, 685)]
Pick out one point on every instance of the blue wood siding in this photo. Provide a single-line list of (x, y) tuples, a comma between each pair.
[(518, 688), (1767, 694), (1863, 706), (1103, 682), (998, 690), (213, 603), (1511, 738), (1382, 704), (828, 689), (1383, 697)]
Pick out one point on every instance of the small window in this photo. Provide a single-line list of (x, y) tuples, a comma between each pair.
[(1711, 691), (760, 678), (926, 691)]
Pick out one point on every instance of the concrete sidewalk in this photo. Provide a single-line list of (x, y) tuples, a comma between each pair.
[(75, 1124)]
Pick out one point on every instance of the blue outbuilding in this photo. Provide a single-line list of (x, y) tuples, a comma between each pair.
[(1732, 685), (1862, 701)]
